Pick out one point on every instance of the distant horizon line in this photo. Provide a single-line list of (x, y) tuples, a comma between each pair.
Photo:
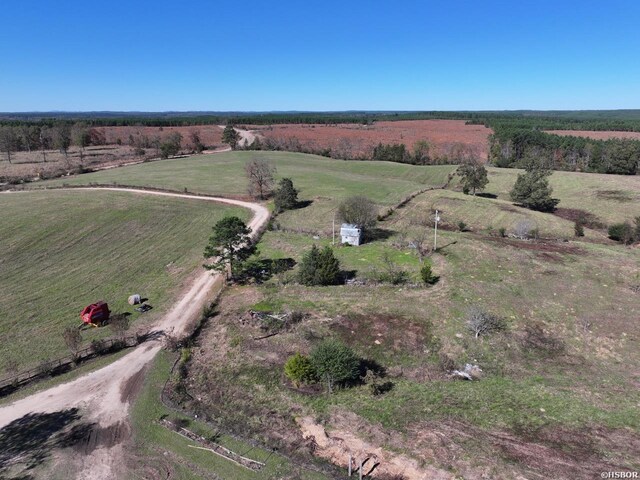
[(264, 112)]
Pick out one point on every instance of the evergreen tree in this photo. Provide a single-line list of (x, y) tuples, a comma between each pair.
[(319, 267), (286, 196), (230, 136), (533, 191), (230, 243), (334, 362)]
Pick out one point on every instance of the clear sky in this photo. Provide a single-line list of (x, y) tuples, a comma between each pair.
[(319, 55)]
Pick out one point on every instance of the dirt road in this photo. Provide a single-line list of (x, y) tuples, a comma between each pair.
[(99, 394), (247, 137)]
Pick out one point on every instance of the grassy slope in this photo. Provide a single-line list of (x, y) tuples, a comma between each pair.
[(613, 198), (324, 181), (524, 388), (64, 250), (152, 440)]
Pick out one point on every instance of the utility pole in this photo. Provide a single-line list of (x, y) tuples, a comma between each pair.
[(435, 235), (333, 242)]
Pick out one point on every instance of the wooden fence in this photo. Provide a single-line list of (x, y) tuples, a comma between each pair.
[(67, 363)]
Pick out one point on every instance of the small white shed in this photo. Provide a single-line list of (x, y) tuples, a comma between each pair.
[(351, 234)]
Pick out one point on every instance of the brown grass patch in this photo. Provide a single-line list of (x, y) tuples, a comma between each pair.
[(357, 139)]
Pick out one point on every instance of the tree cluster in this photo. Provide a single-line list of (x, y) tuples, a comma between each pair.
[(514, 146)]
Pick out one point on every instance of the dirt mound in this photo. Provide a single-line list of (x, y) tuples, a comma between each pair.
[(338, 446)]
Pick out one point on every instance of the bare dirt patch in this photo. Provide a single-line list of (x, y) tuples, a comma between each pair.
[(102, 437), (130, 389), (338, 445)]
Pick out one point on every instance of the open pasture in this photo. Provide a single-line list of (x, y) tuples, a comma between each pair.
[(62, 250)]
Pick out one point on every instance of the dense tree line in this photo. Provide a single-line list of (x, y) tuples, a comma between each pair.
[(623, 120), (515, 146)]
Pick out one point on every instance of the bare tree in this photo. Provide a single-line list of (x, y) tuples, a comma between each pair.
[(482, 323), (358, 210), (419, 242), (45, 141), (524, 228), (72, 339), (119, 324), (196, 141), (260, 175), (8, 141)]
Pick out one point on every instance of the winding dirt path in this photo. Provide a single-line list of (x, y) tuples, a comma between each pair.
[(100, 394)]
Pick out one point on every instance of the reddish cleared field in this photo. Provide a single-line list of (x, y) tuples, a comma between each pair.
[(596, 135), (355, 139)]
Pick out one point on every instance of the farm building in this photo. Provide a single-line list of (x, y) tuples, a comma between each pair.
[(351, 234)]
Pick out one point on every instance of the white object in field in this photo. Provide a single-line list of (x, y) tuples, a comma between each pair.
[(351, 234), (134, 299)]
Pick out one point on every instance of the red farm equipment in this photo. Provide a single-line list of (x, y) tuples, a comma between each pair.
[(96, 314)]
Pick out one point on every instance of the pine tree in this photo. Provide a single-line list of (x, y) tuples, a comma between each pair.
[(286, 196), (230, 136), (533, 191), (319, 267)]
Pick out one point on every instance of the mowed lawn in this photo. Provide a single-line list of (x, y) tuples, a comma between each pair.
[(323, 181), (62, 250)]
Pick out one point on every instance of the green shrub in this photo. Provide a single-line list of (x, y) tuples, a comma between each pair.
[(426, 273), (578, 228), (503, 232), (462, 226), (299, 369), (622, 232), (335, 363)]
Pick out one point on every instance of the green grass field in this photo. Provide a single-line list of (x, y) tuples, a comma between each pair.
[(62, 250), (562, 371), (612, 198), (323, 181)]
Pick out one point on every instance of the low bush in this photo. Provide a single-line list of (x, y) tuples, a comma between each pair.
[(622, 232), (427, 275), (299, 369)]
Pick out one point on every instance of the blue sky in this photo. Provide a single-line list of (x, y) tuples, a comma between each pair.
[(311, 55)]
